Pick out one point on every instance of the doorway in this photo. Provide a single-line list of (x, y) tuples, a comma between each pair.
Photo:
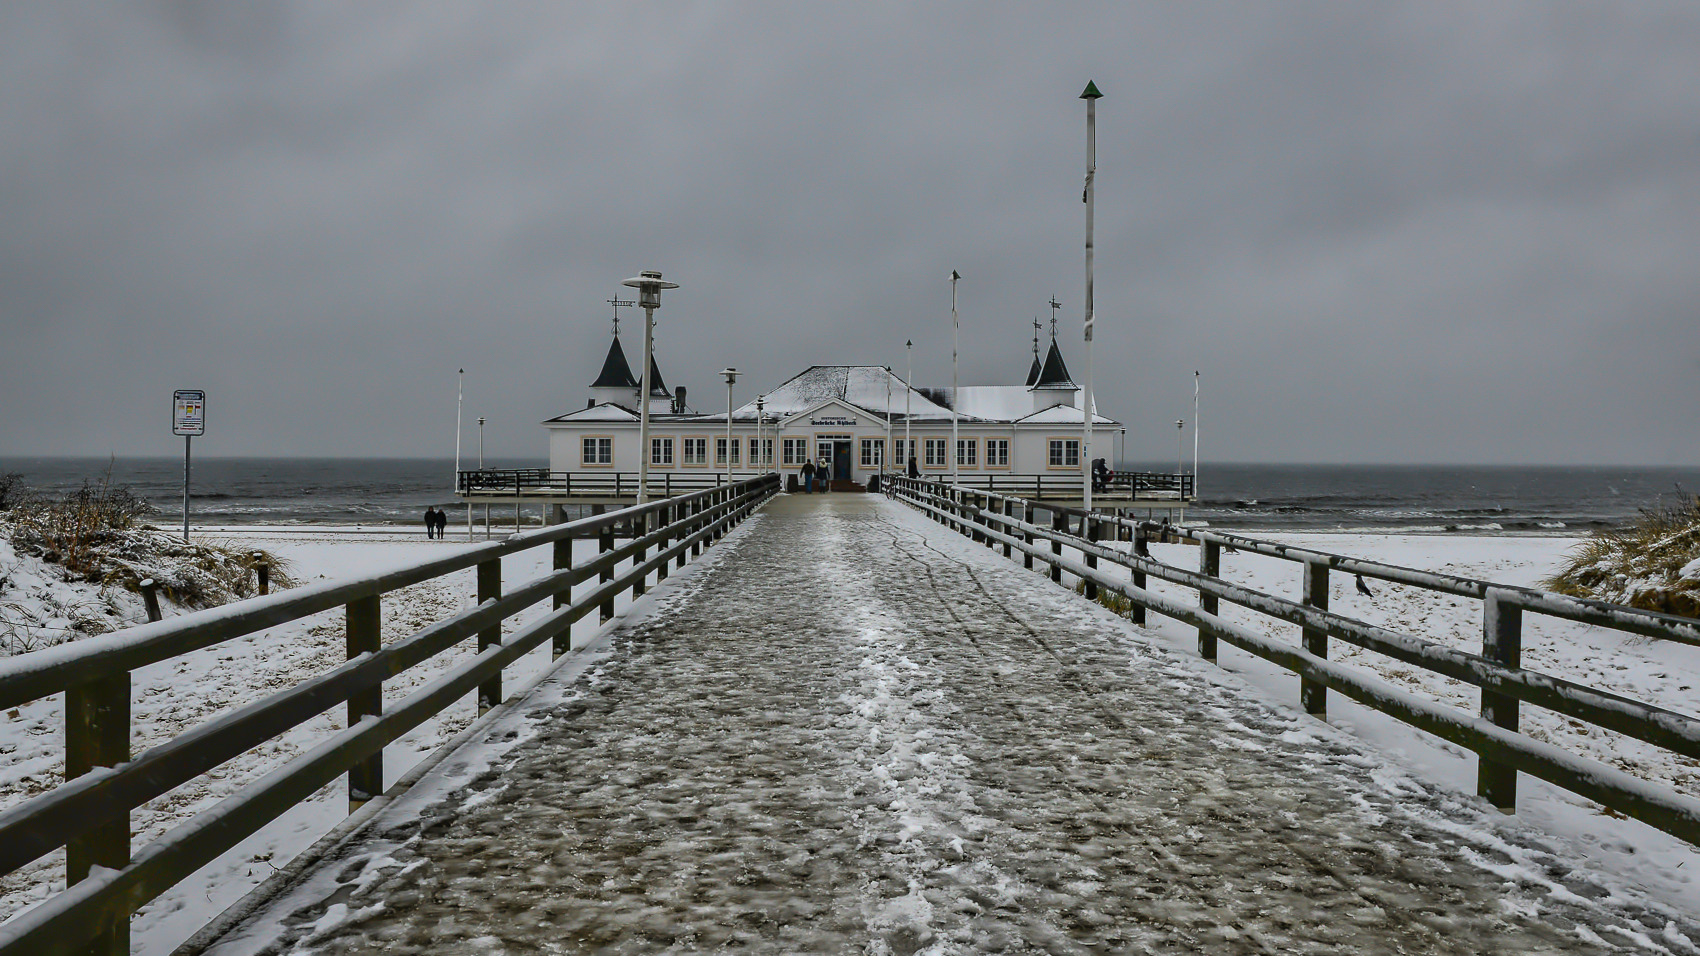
[(841, 460)]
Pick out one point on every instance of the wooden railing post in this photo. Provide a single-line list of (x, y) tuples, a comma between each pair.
[(1142, 548), (1502, 643), (1313, 696), (563, 560), (1007, 509), (1027, 536), (697, 508), (1089, 529), (605, 544), (489, 588), (364, 636), (664, 520), (1059, 523), (640, 582), (1210, 564), (150, 597), (97, 734)]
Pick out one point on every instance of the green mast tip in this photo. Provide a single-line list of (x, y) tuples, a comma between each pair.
[(1091, 92)]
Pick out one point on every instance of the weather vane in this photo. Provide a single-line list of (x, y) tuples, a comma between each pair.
[(616, 302), (1055, 305), (1036, 327)]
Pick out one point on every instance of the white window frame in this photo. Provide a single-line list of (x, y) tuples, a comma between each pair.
[(693, 451), (601, 452), (935, 459), (1062, 448), (998, 445), (795, 451), (967, 452), (873, 453), (660, 451), (761, 452), (720, 451)]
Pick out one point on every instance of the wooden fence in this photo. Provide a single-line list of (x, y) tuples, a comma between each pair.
[(89, 813), (998, 520)]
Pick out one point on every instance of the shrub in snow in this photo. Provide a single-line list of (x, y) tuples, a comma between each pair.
[(1653, 564)]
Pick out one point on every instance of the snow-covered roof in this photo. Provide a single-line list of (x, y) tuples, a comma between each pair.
[(604, 412), (863, 386), (1004, 403), (1062, 415)]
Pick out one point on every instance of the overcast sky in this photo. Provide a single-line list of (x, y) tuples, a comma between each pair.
[(1419, 232)]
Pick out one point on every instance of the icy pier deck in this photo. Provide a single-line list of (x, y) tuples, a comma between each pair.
[(856, 732)]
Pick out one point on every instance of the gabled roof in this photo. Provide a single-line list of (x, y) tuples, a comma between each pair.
[(1062, 415), (603, 412), (1055, 373), (863, 386), (615, 372)]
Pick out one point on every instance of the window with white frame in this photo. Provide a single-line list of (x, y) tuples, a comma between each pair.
[(967, 450), (795, 450), (694, 451), (902, 451), (873, 452), (935, 452), (997, 453), (761, 451), (1065, 453), (720, 451), (597, 451), (661, 451)]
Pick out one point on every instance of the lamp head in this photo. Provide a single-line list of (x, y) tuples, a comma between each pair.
[(649, 285), (731, 375)]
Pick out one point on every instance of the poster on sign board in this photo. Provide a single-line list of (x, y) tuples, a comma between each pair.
[(189, 412)]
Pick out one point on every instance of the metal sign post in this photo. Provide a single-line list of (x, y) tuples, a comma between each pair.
[(188, 418)]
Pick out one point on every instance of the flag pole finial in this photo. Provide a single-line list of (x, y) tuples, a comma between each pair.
[(1091, 92)]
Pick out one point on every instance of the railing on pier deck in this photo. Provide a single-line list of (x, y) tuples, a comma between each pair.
[(89, 813), (542, 483), (1008, 521)]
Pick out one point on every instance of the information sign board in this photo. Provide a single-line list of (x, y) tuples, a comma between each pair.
[(189, 412)]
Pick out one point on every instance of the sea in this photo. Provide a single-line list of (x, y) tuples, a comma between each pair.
[(1436, 499)]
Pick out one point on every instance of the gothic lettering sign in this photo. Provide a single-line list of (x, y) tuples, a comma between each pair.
[(832, 420)]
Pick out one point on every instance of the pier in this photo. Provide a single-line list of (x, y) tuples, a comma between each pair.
[(853, 722)]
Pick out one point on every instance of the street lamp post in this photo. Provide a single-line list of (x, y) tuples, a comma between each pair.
[(731, 377), (481, 468), (761, 405), (1180, 447), (908, 390), (955, 449), (649, 285), (1091, 96)]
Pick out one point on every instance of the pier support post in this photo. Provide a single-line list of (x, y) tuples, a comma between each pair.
[(1502, 643), (365, 636), (1312, 695)]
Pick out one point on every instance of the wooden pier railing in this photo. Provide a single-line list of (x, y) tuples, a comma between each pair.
[(89, 813), (1008, 522)]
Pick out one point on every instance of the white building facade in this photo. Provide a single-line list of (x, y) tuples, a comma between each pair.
[(851, 420)]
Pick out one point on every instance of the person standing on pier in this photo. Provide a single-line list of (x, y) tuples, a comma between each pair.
[(808, 474)]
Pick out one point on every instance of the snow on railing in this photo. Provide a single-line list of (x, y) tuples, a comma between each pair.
[(89, 813), (1008, 521)]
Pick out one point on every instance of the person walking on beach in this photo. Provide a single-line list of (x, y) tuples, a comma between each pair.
[(808, 477), (442, 523), (431, 522)]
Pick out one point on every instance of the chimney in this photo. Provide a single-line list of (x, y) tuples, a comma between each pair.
[(679, 400), (592, 404)]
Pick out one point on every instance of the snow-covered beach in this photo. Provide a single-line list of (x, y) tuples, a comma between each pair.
[(174, 696)]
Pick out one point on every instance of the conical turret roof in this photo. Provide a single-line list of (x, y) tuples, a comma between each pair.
[(1034, 372), (657, 388), (1054, 374), (615, 372)]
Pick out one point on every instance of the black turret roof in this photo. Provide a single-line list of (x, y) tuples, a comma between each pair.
[(1054, 374), (657, 388), (1034, 372), (615, 372)]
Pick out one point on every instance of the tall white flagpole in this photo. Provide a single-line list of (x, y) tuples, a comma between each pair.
[(908, 390), (955, 451), (1091, 96), (460, 395)]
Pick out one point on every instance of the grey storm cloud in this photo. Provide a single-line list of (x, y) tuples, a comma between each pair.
[(1382, 232)]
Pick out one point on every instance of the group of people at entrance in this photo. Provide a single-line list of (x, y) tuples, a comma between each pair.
[(436, 522), (810, 471)]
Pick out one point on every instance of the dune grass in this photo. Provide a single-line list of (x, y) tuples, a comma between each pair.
[(1653, 564)]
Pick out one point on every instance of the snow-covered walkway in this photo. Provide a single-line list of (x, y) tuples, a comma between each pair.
[(854, 731)]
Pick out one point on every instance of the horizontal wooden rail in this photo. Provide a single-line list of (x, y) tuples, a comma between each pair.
[(1492, 736), (92, 914)]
